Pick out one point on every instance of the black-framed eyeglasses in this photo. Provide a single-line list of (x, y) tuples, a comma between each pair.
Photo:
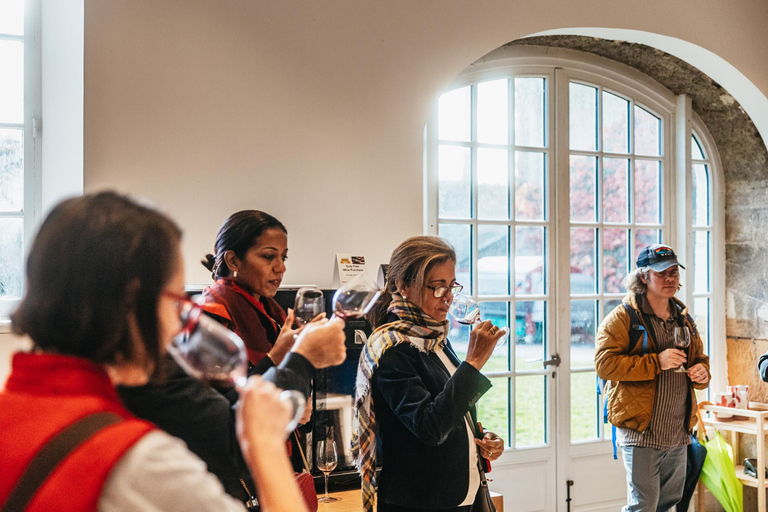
[(440, 291)]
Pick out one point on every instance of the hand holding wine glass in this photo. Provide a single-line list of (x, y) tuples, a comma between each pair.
[(681, 341), (207, 350), (467, 312), (326, 458)]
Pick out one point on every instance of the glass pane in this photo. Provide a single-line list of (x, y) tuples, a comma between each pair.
[(530, 410), (700, 195), (454, 115), (701, 262), (583, 269), (12, 17), (11, 257), (644, 238), (701, 317), (11, 171), (493, 409), (530, 272), (615, 261), (615, 124), (492, 112), (497, 313), (493, 260), (530, 102), (529, 185), (609, 306), (583, 188), (647, 191), (492, 184), (615, 190), (647, 133), (582, 118), (584, 407), (583, 323), (696, 152), (460, 237), (453, 174), (529, 327), (11, 82), (528, 335), (458, 335)]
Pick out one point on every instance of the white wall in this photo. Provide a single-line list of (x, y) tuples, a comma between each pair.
[(314, 111)]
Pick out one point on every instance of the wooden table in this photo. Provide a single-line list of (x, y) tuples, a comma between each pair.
[(352, 501)]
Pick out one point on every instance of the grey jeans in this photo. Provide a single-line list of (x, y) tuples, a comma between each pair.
[(655, 478)]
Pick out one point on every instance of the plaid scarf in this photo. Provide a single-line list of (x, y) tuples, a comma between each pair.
[(413, 326)]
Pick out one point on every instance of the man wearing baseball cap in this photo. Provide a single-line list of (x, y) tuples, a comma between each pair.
[(651, 397)]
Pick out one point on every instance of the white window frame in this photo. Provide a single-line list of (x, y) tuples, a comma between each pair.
[(679, 120), (31, 135)]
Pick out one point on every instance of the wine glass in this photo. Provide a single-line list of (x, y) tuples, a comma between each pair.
[(309, 303), (326, 459), (682, 340), (467, 312), (355, 298), (207, 350)]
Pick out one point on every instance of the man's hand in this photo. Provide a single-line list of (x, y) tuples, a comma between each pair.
[(672, 358), (698, 374)]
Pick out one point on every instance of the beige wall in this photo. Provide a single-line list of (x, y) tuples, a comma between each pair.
[(314, 111)]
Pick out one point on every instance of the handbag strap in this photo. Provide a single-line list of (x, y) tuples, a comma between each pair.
[(51, 455), (301, 451)]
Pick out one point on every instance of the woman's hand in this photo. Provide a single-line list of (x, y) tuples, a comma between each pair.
[(285, 339), (482, 341), (307, 412), (491, 446), (261, 417), (322, 343)]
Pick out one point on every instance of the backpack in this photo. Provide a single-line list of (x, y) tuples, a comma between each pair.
[(637, 330)]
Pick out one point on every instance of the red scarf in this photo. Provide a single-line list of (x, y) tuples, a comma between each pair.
[(257, 322)]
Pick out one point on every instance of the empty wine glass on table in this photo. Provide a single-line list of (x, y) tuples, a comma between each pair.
[(308, 305), (682, 340), (467, 312), (355, 298), (326, 459), (208, 351)]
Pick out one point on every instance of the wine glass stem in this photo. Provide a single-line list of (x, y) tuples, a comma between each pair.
[(326, 484)]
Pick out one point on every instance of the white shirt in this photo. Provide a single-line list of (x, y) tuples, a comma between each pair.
[(474, 473), (159, 474)]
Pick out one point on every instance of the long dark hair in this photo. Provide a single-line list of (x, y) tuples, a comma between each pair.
[(410, 263), (238, 234), (96, 260)]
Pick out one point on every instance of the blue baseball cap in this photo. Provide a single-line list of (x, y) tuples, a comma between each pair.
[(658, 258)]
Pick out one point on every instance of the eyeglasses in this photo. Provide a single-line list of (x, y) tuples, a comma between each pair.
[(189, 311), (440, 291)]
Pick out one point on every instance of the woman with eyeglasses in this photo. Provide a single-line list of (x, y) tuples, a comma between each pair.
[(416, 394), (100, 307)]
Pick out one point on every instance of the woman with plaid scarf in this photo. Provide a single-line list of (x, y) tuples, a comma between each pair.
[(414, 392)]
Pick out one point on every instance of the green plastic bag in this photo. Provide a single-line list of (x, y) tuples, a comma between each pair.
[(719, 474)]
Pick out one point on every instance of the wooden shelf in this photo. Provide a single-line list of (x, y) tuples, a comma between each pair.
[(752, 421)]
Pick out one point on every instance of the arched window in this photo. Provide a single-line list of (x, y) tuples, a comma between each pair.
[(548, 174)]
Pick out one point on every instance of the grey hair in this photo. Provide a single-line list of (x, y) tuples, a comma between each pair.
[(634, 280)]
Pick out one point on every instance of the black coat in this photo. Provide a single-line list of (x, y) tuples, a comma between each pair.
[(420, 410), (204, 418)]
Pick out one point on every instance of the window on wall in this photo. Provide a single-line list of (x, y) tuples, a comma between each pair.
[(548, 182), (16, 155)]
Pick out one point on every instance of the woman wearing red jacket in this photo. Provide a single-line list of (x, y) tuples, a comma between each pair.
[(101, 305)]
